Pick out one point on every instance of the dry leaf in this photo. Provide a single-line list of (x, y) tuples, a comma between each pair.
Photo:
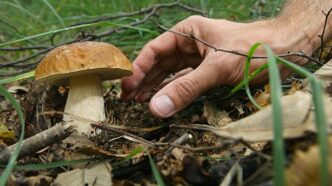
[(298, 115), (39, 180), (16, 89), (214, 116), (99, 174), (324, 74), (296, 86), (262, 98), (258, 126), (304, 170), (6, 135), (85, 146)]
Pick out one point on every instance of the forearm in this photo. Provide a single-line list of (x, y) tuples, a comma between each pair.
[(305, 18)]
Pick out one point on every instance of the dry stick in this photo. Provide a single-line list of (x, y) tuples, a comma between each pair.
[(152, 13), (17, 72), (39, 141), (329, 54), (323, 32), (143, 11), (11, 63), (116, 130), (210, 129), (190, 36), (178, 141), (23, 48), (175, 144)]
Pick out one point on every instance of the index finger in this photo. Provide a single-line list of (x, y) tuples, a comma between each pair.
[(161, 47)]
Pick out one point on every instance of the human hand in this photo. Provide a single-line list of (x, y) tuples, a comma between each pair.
[(200, 67)]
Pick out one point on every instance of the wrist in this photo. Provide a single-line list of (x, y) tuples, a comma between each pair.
[(303, 27)]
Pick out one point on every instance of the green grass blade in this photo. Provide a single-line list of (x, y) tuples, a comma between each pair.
[(251, 52), (12, 159), (51, 32), (54, 12), (276, 93), (241, 84), (317, 93), (76, 27), (321, 130), (130, 155), (155, 171), (20, 8), (17, 78), (154, 33)]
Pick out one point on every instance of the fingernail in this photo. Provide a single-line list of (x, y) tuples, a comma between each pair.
[(163, 105)]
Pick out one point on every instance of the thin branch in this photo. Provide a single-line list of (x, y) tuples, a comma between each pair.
[(116, 130), (321, 36), (39, 141), (11, 63), (17, 72), (192, 37), (15, 49), (143, 11), (210, 129)]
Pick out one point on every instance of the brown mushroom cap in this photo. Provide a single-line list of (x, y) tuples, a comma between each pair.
[(83, 58)]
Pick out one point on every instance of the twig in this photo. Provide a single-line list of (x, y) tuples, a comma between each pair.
[(192, 37), (39, 141), (143, 11), (321, 36), (11, 63), (17, 72), (15, 49), (209, 128), (116, 130)]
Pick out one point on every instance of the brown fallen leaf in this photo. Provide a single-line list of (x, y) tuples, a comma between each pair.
[(259, 126), (214, 116), (6, 135), (298, 115), (262, 98), (296, 86), (304, 170), (79, 144), (96, 174)]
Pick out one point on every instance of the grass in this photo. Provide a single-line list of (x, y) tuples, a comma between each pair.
[(12, 161), (276, 91), (27, 18), (28, 23)]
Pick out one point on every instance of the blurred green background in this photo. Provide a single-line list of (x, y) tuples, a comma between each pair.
[(23, 18)]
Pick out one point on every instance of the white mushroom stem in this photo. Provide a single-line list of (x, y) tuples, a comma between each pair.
[(85, 100)]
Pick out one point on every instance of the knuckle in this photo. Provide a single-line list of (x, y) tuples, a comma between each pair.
[(195, 19), (187, 89)]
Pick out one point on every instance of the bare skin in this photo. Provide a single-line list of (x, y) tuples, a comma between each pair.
[(199, 68)]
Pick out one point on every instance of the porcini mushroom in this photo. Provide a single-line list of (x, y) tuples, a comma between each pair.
[(83, 65)]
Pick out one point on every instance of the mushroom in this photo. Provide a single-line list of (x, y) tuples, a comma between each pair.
[(83, 65)]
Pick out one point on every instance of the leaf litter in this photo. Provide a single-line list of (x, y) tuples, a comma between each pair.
[(204, 158)]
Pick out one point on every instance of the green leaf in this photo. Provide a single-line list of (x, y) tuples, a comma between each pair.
[(155, 171), (246, 78), (276, 93), (317, 93), (241, 84)]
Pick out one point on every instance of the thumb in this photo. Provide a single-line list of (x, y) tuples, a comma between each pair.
[(182, 91)]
